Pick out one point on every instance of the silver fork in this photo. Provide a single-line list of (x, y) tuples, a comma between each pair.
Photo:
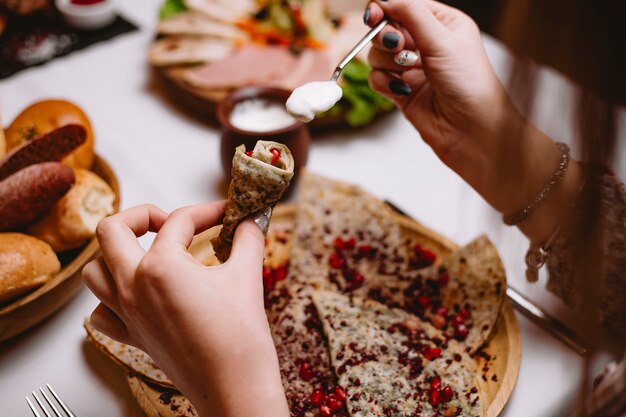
[(51, 405)]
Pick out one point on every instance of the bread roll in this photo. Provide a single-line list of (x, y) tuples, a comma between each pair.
[(31, 192), (25, 264), (73, 220)]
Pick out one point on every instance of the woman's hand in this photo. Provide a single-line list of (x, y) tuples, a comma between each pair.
[(204, 326), (453, 97)]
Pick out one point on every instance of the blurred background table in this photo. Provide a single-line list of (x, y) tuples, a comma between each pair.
[(163, 156)]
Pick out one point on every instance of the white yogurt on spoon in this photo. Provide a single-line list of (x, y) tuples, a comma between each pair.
[(312, 98)]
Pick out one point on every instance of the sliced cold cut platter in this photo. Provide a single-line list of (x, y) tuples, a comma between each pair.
[(205, 49)]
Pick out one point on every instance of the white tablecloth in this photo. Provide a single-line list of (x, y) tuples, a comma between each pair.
[(164, 157)]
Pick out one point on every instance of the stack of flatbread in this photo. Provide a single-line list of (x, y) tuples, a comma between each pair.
[(360, 328)]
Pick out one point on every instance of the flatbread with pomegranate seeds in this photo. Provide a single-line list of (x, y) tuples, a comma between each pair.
[(133, 359), (346, 240), (391, 363), (259, 180), (463, 295), (341, 228), (157, 401), (303, 357)]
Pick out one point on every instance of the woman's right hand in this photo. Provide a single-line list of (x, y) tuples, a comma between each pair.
[(453, 97)]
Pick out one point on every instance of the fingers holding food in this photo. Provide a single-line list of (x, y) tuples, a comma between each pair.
[(49, 147), (47, 115), (25, 264), (31, 192), (118, 234), (183, 224)]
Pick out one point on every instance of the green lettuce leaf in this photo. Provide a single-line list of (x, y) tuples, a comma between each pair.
[(361, 102), (171, 8)]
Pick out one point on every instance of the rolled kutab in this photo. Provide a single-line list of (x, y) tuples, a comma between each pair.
[(259, 178)]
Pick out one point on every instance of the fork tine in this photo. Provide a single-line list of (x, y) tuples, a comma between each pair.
[(56, 397), (41, 405), (54, 409), (32, 407)]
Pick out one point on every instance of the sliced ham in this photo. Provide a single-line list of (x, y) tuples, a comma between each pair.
[(197, 24), (178, 51), (221, 10), (347, 35), (250, 65), (312, 65)]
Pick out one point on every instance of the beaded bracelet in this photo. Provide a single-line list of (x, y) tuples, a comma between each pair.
[(557, 175)]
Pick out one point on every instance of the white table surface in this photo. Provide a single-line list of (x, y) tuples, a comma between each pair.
[(164, 157)]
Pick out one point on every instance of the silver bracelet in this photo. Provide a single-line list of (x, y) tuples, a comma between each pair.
[(555, 178)]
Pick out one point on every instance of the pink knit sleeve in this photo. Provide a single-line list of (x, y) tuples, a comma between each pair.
[(611, 274)]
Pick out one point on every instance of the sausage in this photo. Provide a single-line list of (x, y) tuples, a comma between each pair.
[(52, 146), (32, 192)]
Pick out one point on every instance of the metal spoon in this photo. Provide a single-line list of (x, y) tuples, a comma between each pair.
[(357, 48)]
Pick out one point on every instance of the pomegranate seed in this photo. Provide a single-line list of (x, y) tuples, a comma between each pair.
[(339, 243), (429, 256), (333, 402), (456, 320), (268, 278), (466, 314), (365, 250), (434, 397), (358, 279), (306, 372), (341, 393), (444, 279), (275, 155), (461, 331), (432, 353), (280, 273), (446, 394), (317, 397), (249, 153), (442, 311), (335, 260), (325, 411), (350, 243), (435, 383), (424, 301)]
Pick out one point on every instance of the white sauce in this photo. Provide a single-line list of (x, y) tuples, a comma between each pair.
[(312, 98), (256, 115)]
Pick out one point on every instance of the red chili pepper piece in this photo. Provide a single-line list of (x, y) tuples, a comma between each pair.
[(275, 155)]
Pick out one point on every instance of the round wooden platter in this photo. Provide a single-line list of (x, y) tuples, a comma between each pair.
[(500, 371), (29, 310)]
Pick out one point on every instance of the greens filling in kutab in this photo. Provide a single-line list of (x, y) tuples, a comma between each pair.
[(259, 179)]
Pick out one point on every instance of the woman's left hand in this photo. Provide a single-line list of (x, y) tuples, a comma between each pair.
[(204, 326)]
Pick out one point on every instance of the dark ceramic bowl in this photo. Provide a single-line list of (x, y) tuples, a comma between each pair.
[(296, 136)]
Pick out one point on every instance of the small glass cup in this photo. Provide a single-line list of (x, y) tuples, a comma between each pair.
[(295, 136)]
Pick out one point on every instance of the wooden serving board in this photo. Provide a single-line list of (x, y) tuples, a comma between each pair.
[(504, 349), (29, 310)]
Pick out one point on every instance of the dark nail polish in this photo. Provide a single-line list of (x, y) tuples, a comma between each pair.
[(398, 87), (391, 39), (366, 16)]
